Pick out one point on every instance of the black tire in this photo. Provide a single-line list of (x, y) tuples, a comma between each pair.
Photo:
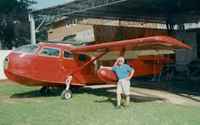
[(44, 90), (66, 94)]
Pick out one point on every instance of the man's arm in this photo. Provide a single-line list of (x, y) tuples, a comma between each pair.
[(105, 67), (131, 75)]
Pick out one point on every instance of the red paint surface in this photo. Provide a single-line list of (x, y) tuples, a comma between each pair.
[(155, 42), (36, 70), (145, 65), (107, 76)]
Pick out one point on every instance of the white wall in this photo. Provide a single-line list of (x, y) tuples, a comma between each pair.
[(3, 54), (85, 36)]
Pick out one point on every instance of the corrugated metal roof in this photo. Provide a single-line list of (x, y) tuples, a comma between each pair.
[(156, 11)]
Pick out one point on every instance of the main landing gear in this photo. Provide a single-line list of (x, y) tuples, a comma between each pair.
[(44, 90), (67, 94)]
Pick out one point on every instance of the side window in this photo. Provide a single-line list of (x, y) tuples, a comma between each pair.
[(51, 52), (81, 57), (68, 55)]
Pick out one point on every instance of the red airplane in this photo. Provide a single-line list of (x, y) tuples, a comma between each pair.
[(58, 65)]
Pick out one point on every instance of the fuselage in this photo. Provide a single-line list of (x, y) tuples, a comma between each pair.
[(48, 65)]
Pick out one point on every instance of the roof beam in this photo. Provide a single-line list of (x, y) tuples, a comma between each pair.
[(73, 7), (119, 17)]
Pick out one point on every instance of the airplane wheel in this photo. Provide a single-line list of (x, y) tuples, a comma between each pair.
[(66, 94), (44, 90)]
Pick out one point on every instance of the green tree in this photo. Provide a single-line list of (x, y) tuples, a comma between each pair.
[(14, 25)]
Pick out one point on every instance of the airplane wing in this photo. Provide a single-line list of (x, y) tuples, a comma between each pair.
[(133, 48)]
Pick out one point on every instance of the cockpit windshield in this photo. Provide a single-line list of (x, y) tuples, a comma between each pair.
[(29, 49)]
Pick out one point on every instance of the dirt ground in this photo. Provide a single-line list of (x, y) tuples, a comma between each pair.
[(143, 94), (181, 92)]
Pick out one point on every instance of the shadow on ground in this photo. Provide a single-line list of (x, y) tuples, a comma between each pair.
[(36, 93), (111, 96)]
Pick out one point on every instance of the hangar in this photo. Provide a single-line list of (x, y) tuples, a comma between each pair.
[(170, 13), (158, 11)]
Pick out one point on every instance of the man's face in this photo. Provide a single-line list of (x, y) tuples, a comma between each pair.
[(120, 62)]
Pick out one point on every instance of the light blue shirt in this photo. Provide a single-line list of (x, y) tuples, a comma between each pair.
[(123, 71)]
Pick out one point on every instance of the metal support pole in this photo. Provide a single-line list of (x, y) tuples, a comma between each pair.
[(32, 26), (120, 31)]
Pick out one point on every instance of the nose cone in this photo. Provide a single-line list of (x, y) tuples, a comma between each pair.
[(5, 63)]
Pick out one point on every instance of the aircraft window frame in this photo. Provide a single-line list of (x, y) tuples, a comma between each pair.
[(67, 57), (50, 55), (32, 53)]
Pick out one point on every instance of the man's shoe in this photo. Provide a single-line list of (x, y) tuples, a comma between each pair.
[(127, 106), (118, 107)]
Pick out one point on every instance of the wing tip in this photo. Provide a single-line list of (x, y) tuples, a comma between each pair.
[(172, 40)]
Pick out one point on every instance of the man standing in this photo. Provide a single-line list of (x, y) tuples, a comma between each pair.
[(122, 70)]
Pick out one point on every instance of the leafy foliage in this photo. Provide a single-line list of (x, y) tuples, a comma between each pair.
[(14, 25)]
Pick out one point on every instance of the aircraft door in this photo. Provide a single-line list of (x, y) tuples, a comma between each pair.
[(47, 64), (88, 69), (68, 64)]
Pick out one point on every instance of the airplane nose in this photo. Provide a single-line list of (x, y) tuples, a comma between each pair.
[(5, 63)]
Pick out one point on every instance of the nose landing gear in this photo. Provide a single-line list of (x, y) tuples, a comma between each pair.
[(67, 94)]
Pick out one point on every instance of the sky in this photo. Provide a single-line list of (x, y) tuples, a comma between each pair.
[(48, 3)]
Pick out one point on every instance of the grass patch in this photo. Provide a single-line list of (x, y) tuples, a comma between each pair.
[(24, 105)]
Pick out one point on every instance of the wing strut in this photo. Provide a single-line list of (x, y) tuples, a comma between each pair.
[(122, 52), (67, 94), (81, 67)]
